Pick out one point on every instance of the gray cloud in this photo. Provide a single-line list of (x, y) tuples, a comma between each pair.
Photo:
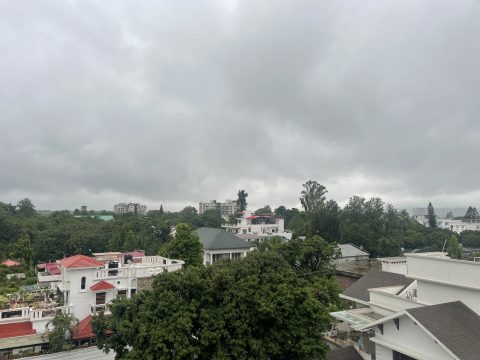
[(174, 102)]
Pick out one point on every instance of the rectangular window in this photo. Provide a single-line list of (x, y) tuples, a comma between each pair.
[(82, 285), (101, 298), (122, 294), (133, 292)]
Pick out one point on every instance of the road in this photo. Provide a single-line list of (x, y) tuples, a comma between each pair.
[(91, 353)]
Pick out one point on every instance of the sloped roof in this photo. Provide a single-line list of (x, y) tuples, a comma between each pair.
[(10, 263), (102, 285), (454, 324), (23, 328), (375, 279), (346, 353), (219, 239), (348, 250), (79, 261)]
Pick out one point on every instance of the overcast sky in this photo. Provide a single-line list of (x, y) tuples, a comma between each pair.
[(179, 101)]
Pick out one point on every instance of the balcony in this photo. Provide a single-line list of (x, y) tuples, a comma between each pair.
[(96, 308), (149, 266), (46, 277)]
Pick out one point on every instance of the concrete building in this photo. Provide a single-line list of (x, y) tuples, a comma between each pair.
[(430, 313), (79, 285), (124, 208), (219, 244), (350, 252), (256, 227), (227, 208)]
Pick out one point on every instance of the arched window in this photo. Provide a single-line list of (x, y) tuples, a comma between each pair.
[(82, 286)]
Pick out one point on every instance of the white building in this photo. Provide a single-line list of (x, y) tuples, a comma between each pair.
[(350, 252), (458, 226), (82, 286), (227, 208), (251, 226), (431, 313), (124, 208), (219, 244)]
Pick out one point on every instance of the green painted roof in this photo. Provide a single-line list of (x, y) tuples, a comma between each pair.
[(218, 239)]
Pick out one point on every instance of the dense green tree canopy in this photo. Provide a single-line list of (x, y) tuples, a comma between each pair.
[(185, 246), (432, 218), (253, 308), (264, 210), (313, 196)]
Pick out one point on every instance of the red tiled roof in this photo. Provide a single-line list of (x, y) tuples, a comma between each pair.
[(83, 330), (79, 261), (16, 329), (10, 263), (102, 285)]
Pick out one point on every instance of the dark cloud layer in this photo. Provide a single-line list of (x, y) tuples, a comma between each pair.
[(174, 102)]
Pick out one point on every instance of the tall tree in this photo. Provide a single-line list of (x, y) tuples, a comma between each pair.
[(454, 248), (313, 196), (161, 209), (471, 213), (26, 208), (184, 246), (242, 200), (244, 309), (431, 217)]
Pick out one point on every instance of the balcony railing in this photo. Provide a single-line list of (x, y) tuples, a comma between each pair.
[(45, 277), (138, 270), (29, 313), (95, 308)]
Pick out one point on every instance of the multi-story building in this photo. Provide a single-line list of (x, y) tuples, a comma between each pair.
[(80, 285), (227, 208), (124, 208), (428, 309), (255, 227)]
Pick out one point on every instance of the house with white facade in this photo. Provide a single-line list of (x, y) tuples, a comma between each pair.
[(79, 285), (429, 310), (256, 227), (219, 244)]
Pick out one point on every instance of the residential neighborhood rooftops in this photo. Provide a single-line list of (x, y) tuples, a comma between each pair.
[(218, 239), (374, 279), (79, 261), (350, 250), (346, 353), (453, 324)]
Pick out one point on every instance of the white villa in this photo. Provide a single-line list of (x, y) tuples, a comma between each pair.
[(255, 227), (80, 285), (428, 309), (219, 244)]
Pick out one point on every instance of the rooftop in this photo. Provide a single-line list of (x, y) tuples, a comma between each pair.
[(79, 261), (349, 250), (346, 353), (219, 239), (454, 324), (375, 279)]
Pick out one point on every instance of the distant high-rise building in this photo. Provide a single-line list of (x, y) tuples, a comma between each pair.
[(227, 208), (84, 209), (124, 208)]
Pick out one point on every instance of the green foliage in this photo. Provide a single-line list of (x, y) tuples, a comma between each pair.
[(432, 218), (264, 210), (184, 246), (313, 196), (251, 308), (471, 213), (269, 244), (455, 250), (242, 200), (62, 327), (212, 218), (311, 257), (470, 238), (26, 208)]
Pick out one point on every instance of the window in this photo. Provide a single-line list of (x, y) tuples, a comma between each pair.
[(101, 297), (122, 294), (82, 284), (133, 292)]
